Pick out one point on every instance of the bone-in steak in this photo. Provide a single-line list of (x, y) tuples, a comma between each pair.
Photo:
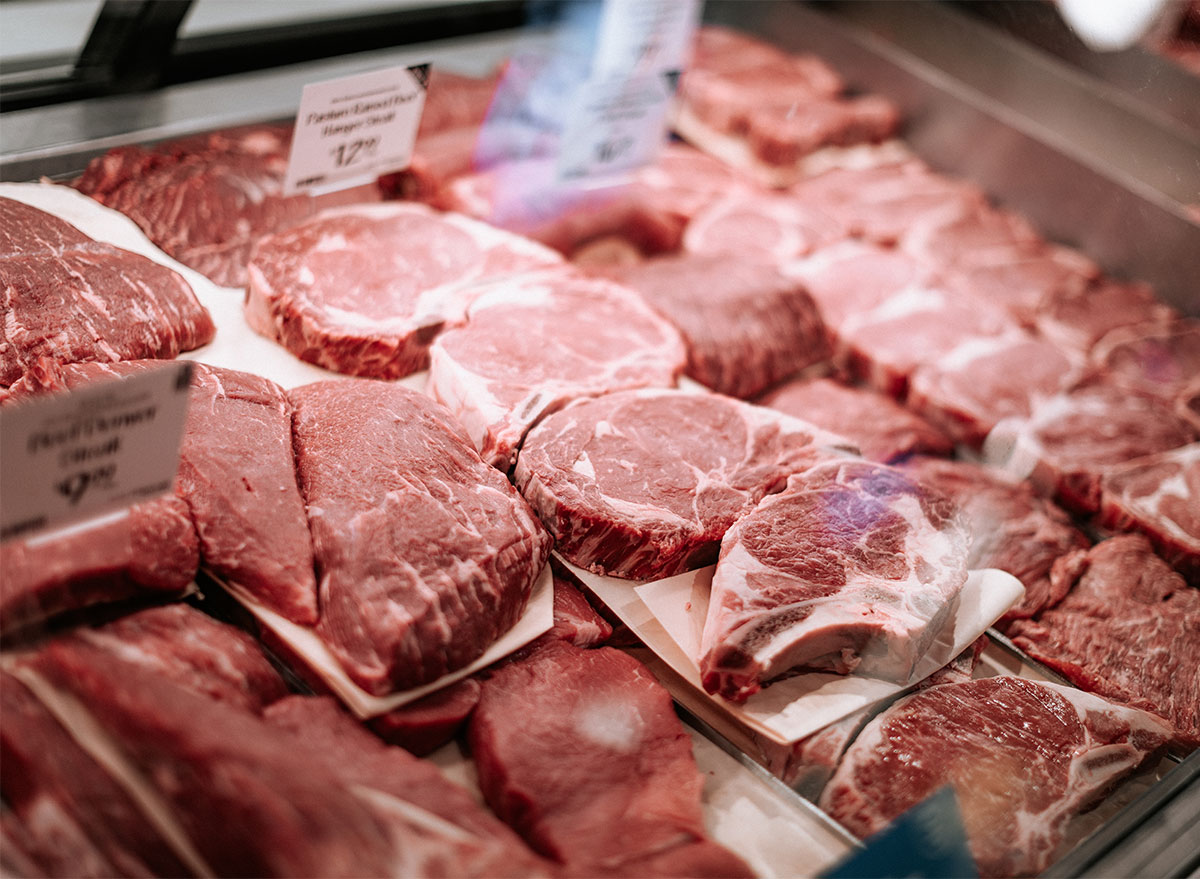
[(1023, 758), (535, 342), (425, 554), (68, 297), (643, 484), (853, 567), (364, 290), (567, 740), (1128, 629)]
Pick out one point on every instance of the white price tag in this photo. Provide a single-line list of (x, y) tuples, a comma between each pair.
[(615, 126), (73, 455), (351, 130), (640, 37)]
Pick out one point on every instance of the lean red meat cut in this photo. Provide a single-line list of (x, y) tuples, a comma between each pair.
[(643, 484), (1072, 440), (972, 387), (364, 290), (148, 551), (868, 575), (205, 200), (746, 325), (1011, 527), (425, 554), (1159, 359), (1023, 758), (237, 476), (1128, 629), (568, 740), (533, 343), (68, 297), (1157, 495), (882, 429)]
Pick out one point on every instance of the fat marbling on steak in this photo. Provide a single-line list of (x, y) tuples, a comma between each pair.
[(425, 554), (1023, 758), (364, 290), (534, 342), (853, 567), (68, 297), (643, 484)]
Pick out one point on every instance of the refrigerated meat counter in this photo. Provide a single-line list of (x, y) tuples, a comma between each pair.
[(1116, 187)]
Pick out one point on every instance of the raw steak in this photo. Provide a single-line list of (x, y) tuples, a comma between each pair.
[(1045, 288), (425, 554), (881, 203), (1159, 359), (976, 384), (881, 428), (575, 620), (1023, 758), (206, 199), (535, 342), (854, 567), (1011, 527), (1128, 629), (977, 236), (850, 279), (238, 477), (68, 297), (364, 290), (1072, 440), (248, 797), (642, 484), (443, 830), (1079, 319), (746, 325), (567, 741), (771, 228), (1157, 495), (148, 551), (423, 726), (76, 819)]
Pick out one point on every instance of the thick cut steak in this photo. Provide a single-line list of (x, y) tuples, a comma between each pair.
[(772, 228), (881, 428), (1128, 629), (976, 236), (1077, 319), (425, 554), (205, 200), (642, 484), (746, 325), (1158, 495), (535, 342), (1072, 440), (423, 726), (569, 741), (1023, 758), (237, 475), (854, 567), (1159, 359), (149, 550), (364, 290), (1011, 527), (68, 297), (971, 388)]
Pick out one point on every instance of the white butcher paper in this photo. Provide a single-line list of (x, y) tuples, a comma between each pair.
[(668, 615), (235, 345), (537, 619)]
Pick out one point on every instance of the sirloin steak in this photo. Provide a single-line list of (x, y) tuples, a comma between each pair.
[(425, 555), (535, 342), (68, 297), (364, 290), (854, 567), (643, 484), (1022, 756)]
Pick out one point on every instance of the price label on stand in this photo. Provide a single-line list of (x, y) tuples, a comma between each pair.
[(639, 37), (66, 457), (352, 129)]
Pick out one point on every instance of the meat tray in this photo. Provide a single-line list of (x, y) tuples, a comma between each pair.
[(1149, 825)]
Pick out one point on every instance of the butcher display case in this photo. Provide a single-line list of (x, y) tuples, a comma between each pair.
[(1099, 153)]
